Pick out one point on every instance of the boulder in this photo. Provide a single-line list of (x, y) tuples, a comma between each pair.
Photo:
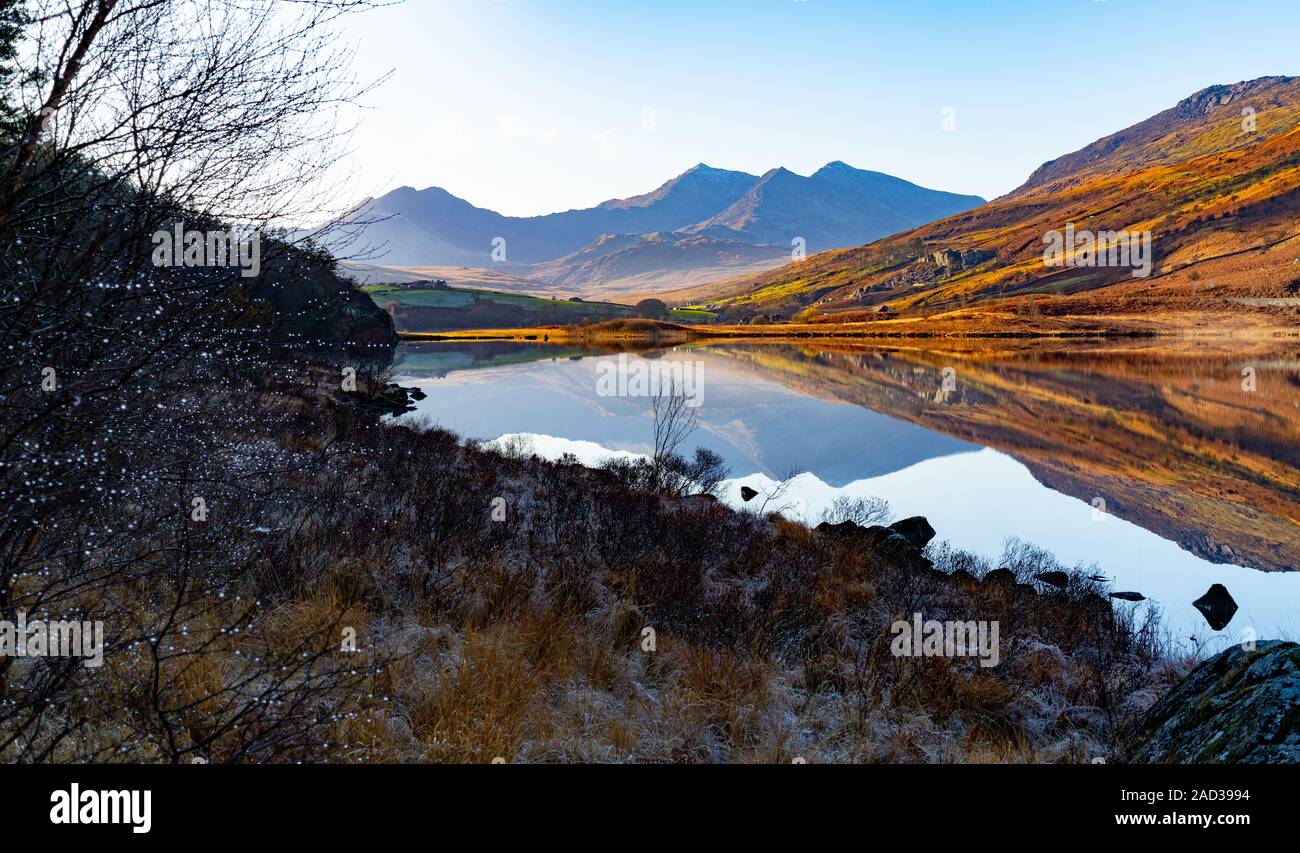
[(747, 494), (884, 541), (1001, 576), (915, 530), (1217, 606), (843, 530), (1241, 706), (695, 503)]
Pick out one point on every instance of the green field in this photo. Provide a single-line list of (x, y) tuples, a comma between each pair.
[(554, 310)]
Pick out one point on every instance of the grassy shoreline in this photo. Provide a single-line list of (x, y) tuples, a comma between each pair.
[(1191, 324)]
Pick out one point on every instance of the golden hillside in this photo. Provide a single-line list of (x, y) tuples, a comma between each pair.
[(1213, 180)]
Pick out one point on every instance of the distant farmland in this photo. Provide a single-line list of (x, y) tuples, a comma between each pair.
[(433, 310)]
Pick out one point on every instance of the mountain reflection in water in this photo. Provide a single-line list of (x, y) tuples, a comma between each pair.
[(1196, 473)]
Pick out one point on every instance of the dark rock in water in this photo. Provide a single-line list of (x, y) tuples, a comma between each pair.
[(1128, 596), (747, 494), (1216, 606), (915, 530), (1060, 580), (1239, 707), (392, 399), (1000, 576)]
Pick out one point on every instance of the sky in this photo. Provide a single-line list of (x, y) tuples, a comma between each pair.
[(533, 106)]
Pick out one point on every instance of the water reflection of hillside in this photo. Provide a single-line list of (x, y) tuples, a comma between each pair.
[(755, 425), (1172, 443), (441, 358)]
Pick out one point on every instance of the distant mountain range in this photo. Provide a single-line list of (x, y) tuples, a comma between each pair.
[(705, 223), (1213, 182)]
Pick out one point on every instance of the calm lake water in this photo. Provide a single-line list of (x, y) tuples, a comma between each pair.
[(1167, 472)]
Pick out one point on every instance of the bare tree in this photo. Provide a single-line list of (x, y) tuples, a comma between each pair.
[(674, 417), (862, 511), (777, 498), (135, 473)]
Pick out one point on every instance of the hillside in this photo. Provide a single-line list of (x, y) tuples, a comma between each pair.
[(1085, 420), (650, 263), (1218, 198)]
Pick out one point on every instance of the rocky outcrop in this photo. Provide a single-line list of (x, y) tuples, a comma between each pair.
[(1241, 706), (952, 260), (1004, 577), (925, 269), (916, 530), (902, 542)]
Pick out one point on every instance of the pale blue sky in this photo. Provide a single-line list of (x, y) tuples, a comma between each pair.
[(530, 106)]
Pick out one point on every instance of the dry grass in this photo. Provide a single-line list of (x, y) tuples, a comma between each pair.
[(523, 640)]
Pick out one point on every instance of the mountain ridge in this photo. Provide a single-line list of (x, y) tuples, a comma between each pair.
[(704, 224)]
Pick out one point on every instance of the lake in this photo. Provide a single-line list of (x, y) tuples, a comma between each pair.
[(1168, 469)]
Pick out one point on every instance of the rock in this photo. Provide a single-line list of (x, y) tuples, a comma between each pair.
[(963, 576), (843, 530), (1098, 606), (884, 541), (915, 530), (1238, 707), (1001, 576), (694, 502), (747, 494), (900, 549), (1060, 580), (957, 260), (1128, 596), (1217, 606)]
